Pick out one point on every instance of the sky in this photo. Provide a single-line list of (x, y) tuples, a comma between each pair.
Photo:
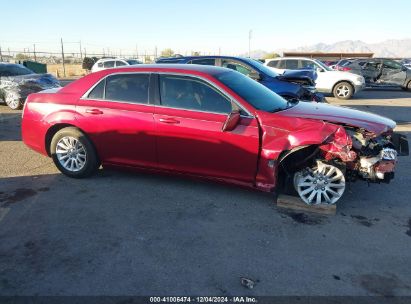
[(188, 25)]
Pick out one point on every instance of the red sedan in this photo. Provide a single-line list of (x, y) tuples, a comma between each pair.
[(209, 122)]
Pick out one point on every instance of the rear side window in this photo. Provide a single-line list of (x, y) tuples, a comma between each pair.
[(204, 61), (127, 87), (98, 91), (192, 94), (109, 64), (281, 64)]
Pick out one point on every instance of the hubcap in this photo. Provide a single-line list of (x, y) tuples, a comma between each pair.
[(71, 154), (343, 91), (324, 184)]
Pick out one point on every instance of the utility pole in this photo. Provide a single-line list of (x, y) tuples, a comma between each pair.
[(136, 51), (62, 55), (34, 52), (1, 55), (155, 52), (81, 53), (250, 34), (85, 52), (219, 51)]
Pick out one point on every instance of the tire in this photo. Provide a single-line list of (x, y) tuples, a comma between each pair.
[(73, 153), (343, 90), (13, 101), (409, 86)]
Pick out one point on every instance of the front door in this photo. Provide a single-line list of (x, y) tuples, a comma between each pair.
[(118, 118), (393, 73), (189, 134)]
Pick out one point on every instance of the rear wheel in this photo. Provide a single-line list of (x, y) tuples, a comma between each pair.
[(409, 86), (343, 90), (73, 153), (320, 184)]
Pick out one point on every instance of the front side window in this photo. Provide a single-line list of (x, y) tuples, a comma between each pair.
[(192, 94), (120, 63), (109, 64), (307, 64), (236, 66), (204, 61), (392, 65), (127, 87), (273, 63)]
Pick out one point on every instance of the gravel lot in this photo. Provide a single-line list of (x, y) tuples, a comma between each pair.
[(121, 233)]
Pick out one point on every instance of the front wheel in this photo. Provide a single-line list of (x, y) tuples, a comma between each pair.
[(13, 101), (343, 90), (73, 153), (320, 184)]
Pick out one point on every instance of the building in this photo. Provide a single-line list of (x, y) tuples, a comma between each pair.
[(328, 56)]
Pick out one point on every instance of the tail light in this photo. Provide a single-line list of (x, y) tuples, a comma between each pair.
[(344, 69)]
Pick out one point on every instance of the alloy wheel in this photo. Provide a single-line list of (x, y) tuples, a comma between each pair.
[(323, 184), (71, 154), (343, 91)]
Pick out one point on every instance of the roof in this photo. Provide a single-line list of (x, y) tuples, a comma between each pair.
[(207, 69)]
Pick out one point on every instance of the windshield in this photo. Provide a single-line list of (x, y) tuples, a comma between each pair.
[(251, 91), (7, 70), (258, 65), (133, 62), (322, 65)]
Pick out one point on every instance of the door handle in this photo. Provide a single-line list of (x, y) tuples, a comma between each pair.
[(94, 111), (169, 120)]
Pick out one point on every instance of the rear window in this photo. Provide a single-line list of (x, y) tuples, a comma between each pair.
[(204, 61), (7, 70), (127, 87)]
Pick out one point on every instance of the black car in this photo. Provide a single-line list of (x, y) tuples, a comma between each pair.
[(291, 85), (379, 72), (17, 82)]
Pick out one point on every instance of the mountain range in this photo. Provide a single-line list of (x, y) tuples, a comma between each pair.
[(398, 48)]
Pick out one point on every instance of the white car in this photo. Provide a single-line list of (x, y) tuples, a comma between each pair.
[(107, 63), (342, 85)]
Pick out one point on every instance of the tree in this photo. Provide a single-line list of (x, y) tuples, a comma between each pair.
[(195, 53), (21, 56), (271, 55), (167, 53), (88, 62)]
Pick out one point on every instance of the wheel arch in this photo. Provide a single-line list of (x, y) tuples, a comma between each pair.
[(57, 127)]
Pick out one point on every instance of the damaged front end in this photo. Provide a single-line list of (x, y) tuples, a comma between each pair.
[(376, 154)]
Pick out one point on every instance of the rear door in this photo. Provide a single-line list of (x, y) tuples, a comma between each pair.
[(392, 73), (371, 71), (118, 117), (190, 139)]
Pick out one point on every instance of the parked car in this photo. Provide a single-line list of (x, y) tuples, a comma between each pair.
[(406, 62), (107, 63), (381, 72), (341, 85), (294, 85), (210, 122), (17, 82)]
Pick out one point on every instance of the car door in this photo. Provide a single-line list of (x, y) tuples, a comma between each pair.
[(189, 134), (392, 73), (118, 117), (371, 71), (323, 82)]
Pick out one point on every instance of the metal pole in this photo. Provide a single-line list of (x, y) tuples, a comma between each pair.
[(249, 43), (62, 55), (85, 52), (1, 55), (81, 53), (34, 51)]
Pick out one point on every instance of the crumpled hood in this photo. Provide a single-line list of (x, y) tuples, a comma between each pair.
[(304, 77), (340, 115)]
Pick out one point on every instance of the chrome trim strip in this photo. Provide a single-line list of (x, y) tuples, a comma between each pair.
[(220, 90)]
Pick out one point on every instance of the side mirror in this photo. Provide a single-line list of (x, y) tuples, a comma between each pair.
[(255, 76), (319, 70), (232, 121)]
